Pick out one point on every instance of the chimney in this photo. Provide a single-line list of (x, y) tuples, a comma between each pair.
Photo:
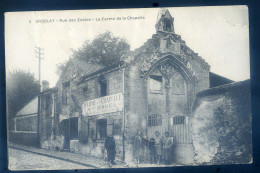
[(45, 85)]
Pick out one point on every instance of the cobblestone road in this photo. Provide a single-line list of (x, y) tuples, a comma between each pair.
[(22, 160), (32, 158)]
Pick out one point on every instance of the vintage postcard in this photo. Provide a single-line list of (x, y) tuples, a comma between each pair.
[(127, 88)]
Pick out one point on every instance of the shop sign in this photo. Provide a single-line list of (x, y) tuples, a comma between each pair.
[(103, 105)]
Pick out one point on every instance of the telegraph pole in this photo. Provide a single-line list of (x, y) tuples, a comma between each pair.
[(39, 54)]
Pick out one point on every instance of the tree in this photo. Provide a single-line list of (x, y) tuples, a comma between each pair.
[(21, 88), (105, 49)]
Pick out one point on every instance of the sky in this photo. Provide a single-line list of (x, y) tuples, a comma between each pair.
[(219, 34)]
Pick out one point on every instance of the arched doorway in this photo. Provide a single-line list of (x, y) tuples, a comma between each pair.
[(169, 96)]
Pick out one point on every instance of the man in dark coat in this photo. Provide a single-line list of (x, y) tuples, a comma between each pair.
[(110, 146), (138, 146), (152, 151), (167, 148)]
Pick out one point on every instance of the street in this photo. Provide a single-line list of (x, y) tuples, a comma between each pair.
[(24, 160)]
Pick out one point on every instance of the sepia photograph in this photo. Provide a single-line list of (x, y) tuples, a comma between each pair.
[(128, 88)]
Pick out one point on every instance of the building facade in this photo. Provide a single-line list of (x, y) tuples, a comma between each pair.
[(153, 90)]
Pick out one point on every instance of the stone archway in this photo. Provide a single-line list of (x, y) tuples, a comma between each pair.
[(170, 92)]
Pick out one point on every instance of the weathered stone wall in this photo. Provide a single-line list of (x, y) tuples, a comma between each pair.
[(162, 46), (137, 107), (23, 138), (84, 89), (221, 125), (50, 136), (77, 88)]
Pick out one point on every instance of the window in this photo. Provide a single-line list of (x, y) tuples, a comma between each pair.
[(178, 120), (155, 84), (168, 43), (103, 86), (48, 106), (65, 93), (168, 25), (101, 128), (154, 120), (47, 102), (85, 91)]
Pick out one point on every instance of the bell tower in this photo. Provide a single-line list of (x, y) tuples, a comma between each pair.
[(164, 21)]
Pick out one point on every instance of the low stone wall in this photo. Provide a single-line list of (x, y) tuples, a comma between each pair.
[(183, 154), (221, 125), (23, 138)]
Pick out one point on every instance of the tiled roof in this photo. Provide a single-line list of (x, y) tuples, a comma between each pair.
[(85, 68)]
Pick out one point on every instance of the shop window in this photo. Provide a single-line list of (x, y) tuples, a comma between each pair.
[(178, 120), (154, 120), (101, 129), (102, 86), (155, 84), (65, 93)]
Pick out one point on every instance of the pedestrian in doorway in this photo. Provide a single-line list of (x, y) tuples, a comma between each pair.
[(110, 146), (158, 147), (152, 151), (138, 146), (167, 148)]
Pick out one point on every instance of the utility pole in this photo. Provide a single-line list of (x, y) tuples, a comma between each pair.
[(39, 54)]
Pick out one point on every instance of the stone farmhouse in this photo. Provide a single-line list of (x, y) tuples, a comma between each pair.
[(155, 89)]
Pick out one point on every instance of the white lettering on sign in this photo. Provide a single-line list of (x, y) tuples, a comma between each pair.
[(103, 105)]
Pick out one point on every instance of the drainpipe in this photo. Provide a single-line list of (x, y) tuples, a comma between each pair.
[(38, 121), (123, 91)]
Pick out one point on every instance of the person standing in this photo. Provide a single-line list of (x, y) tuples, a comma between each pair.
[(138, 146), (158, 146), (152, 151), (167, 148), (110, 146)]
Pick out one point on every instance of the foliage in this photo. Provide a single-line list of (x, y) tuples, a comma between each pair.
[(105, 49), (61, 67), (21, 88)]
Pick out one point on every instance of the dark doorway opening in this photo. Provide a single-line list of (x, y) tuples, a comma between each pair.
[(70, 131), (66, 134), (102, 129), (74, 128)]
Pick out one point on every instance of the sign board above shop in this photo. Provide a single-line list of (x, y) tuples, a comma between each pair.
[(103, 105)]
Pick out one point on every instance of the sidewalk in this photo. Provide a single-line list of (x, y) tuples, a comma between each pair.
[(84, 160)]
